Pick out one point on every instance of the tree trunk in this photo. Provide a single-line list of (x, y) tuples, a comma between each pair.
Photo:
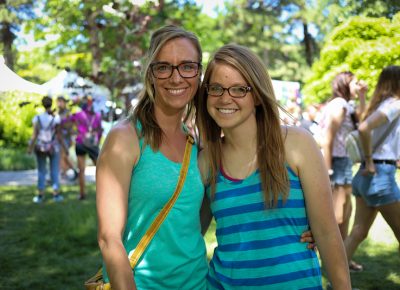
[(308, 44), (7, 38), (94, 42)]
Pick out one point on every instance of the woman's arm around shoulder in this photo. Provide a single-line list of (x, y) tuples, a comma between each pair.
[(205, 211), (305, 158), (118, 156)]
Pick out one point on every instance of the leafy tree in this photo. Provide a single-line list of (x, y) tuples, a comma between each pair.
[(12, 14), (34, 65), (278, 31), (362, 45), (368, 8), (107, 40)]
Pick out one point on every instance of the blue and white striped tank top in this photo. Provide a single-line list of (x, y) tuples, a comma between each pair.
[(260, 248)]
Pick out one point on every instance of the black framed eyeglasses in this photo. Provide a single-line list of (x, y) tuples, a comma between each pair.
[(234, 91), (164, 70)]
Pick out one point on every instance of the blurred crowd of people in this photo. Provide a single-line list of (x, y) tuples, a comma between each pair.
[(374, 184), (56, 131)]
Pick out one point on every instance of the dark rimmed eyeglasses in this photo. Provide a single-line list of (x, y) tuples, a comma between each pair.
[(164, 70), (234, 91)]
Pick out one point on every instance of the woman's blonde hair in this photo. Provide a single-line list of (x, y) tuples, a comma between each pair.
[(144, 110), (270, 143), (388, 86)]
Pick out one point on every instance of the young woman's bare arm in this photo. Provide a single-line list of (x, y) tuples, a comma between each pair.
[(305, 157)]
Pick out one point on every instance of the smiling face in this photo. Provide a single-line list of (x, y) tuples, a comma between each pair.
[(174, 93), (229, 112)]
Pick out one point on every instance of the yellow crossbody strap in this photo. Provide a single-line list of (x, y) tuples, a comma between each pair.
[(96, 282), (145, 240)]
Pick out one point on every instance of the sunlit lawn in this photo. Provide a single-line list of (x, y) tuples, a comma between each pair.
[(53, 246)]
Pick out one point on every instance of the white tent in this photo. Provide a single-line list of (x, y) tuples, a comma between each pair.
[(72, 86), (61, 84), (10, 81)]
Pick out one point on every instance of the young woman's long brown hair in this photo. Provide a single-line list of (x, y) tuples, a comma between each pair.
[(270, 141), (144, 110), (341, 85), (388, 86)]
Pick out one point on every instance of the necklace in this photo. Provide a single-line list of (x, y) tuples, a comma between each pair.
[(249, 169)]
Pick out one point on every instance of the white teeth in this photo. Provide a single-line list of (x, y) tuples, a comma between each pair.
[(176, 91), (227, 111)]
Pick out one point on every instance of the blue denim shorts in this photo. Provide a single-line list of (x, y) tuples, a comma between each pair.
[(379, 189), (342, 173)]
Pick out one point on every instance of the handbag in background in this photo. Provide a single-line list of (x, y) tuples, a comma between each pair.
[(354, 147)]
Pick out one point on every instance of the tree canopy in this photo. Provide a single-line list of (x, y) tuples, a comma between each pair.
[(308, 41)]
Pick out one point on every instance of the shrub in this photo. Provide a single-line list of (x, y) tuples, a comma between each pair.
[(16, 159), (16, 113), (361, 45)]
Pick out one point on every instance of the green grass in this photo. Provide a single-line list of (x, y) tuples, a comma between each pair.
[(380, 256), (53, 245), (49, 245)]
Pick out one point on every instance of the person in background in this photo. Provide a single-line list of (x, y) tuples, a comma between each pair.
[(374, 184), (66, 133), (266, 183), (45, 143), (308, 118), (339, 119), (89, 132)]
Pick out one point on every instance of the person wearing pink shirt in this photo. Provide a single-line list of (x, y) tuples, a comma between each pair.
[(89, 132)]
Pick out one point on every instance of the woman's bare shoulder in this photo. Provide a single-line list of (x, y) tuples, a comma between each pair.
[(121, 140), (293, 135), (299, 145)]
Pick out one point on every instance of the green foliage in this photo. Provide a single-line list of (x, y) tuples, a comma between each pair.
[(361, 45), (16, 159), (362, 28), (15, 11), (34, 65), (16, 113)]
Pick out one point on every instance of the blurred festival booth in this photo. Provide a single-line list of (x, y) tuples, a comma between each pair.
[(72, 86), (286, 91), (288, 95)]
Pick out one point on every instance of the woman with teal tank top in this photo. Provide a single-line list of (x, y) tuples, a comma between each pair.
[(138, 170), (267, 183)]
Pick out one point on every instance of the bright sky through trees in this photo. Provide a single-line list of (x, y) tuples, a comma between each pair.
[(210, 5)]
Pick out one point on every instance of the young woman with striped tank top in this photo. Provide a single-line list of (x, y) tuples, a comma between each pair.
[(267, 183)]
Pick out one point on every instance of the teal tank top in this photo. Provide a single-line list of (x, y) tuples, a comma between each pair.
[(176, 256), (260, 248)]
